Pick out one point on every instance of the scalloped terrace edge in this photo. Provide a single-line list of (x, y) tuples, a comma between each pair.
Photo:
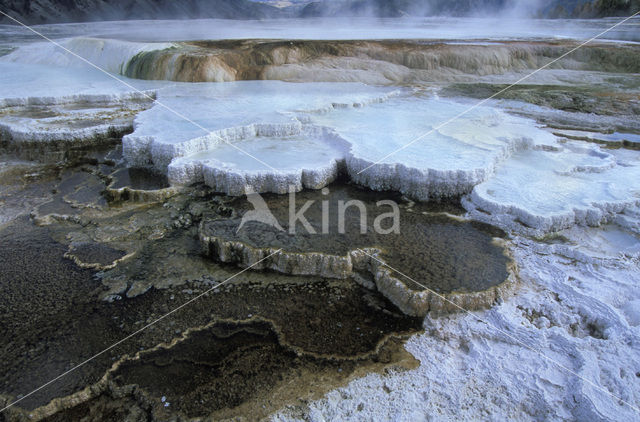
[(411, 302), (105, 384)]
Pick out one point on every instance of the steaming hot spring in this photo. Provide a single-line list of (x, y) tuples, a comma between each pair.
[(320, 220)]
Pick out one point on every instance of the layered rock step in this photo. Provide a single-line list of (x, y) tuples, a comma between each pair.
[(370, 61), (545, 190), (311, 158), (52, 114), (345, 233), (302, 134)]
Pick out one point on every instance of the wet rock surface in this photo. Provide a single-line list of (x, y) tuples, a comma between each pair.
[(385, 61), (606, 104), (335, 238), (93, 251), (138, 185), (231, 366), (63, 132), (317, 333), (93, 255), (138, 179), (605, 100)]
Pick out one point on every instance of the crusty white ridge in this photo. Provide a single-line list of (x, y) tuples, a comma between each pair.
[(507, 170), (360, 127), (540, 191)]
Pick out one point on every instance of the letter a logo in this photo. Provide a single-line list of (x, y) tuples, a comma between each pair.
[(260, 212)]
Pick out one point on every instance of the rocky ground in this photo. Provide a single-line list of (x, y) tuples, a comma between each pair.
[(105, 269), (517, 293)]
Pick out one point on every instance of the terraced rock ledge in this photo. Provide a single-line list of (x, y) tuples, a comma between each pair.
[(380, 62), (148, 382), (463, 261), (138, 185), (60, 128)]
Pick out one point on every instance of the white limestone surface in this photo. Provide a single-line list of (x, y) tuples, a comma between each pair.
[(564, 347), (46, 110), (108, 54), (402, 144), (615, 138), (549, 190), (68, 107), (70, 126), (546, 186), (311, 158), (402, 129), (608, 243), (195, 117), (28, 84)]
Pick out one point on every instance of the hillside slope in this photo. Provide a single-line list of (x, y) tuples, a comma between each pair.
[(59, 11)]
